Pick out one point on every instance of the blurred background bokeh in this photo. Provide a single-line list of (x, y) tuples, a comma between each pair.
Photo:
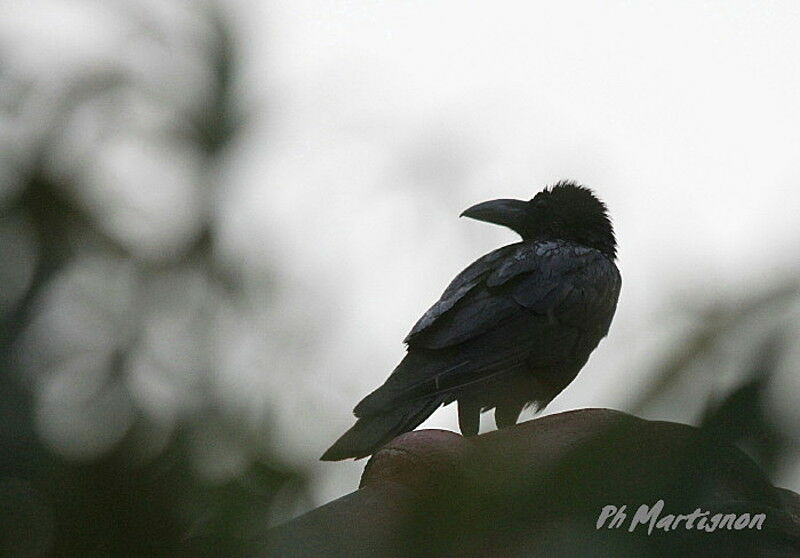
[(218, 220)]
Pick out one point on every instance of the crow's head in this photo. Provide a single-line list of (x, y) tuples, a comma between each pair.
[(565, 211)]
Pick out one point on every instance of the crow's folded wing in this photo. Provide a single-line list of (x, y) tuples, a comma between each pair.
[(544, 304), (562, 282)]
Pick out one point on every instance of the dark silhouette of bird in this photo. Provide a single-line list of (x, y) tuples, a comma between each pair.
[(511, 330)]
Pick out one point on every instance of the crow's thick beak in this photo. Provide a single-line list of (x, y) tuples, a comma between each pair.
[(508, 213)]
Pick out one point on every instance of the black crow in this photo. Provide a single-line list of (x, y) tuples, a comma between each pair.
[(511, 330)]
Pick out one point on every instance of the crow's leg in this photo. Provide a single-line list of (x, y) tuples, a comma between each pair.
[(469, 417), (507, 413)]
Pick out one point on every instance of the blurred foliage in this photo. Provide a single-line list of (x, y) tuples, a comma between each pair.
[(113, 440), (738, 364)]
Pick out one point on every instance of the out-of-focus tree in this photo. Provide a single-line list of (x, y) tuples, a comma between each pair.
[(115, 305), (734, 371)]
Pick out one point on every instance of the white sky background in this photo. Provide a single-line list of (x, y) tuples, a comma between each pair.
[(374, 124), (386, 119)]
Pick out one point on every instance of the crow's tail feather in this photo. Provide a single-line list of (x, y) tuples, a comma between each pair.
[(369, 433)]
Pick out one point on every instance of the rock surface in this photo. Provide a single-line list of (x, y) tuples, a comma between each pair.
[(539, 488)]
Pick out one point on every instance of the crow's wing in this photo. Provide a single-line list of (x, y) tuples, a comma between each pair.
[(541, 304), (572, 285), (563, 282)]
